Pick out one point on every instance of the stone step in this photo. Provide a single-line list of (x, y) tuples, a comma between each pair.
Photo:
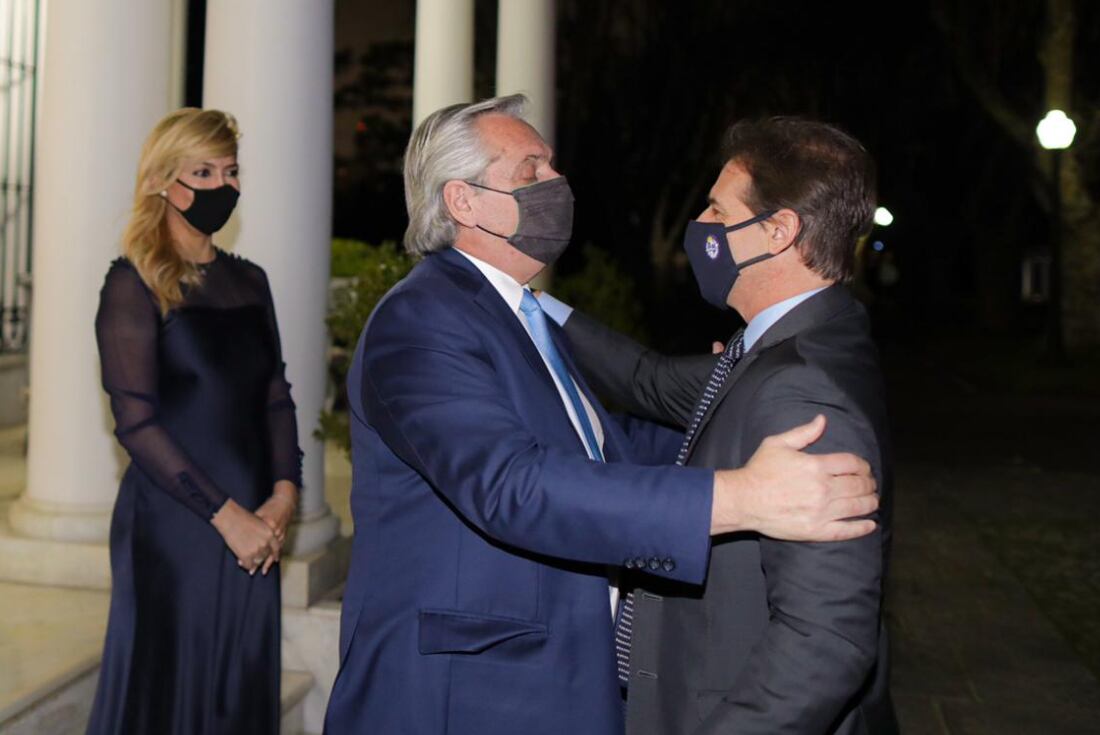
[(311, 643), (51, 641), (64, 709), (295, 686)]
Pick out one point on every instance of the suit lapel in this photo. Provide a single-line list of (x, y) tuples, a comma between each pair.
[(468, 277), (489, 299), (738, 370), (814, 310)]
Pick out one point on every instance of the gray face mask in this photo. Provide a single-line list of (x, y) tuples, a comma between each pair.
[(545, 218)]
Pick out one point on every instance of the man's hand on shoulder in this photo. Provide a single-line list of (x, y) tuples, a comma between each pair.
[(788, 494)]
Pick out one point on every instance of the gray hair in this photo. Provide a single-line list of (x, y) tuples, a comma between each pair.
[(444, 147)]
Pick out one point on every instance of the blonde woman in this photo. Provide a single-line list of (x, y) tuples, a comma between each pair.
[(191, 361)]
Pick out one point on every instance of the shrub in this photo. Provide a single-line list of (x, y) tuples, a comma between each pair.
[(361, 276), (604, 291)]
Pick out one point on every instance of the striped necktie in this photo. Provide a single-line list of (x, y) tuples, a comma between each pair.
[(624, 622)]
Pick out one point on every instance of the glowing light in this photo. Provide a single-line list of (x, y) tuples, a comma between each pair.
[(1056, 131), (883, 217)]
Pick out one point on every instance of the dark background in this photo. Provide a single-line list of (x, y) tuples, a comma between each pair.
[(944, 94)]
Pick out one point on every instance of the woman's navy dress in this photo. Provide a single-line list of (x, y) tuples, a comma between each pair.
[(202, 407)]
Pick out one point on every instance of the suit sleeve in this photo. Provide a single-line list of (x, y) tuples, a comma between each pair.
[(432, 393), (644, 382), (820, 644), (650, 443)]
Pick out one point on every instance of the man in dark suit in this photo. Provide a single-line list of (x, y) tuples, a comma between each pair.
[(492, 493), (782, 637)]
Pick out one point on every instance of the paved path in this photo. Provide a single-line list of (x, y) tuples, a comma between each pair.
[(994, 604), (973, 651)]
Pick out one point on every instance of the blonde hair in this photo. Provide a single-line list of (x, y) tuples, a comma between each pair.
[(186, 134)]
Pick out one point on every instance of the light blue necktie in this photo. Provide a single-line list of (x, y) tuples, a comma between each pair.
[(536, 320)]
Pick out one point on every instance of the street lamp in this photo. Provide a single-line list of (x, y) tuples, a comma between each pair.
[(876, 266), (1055, 132)]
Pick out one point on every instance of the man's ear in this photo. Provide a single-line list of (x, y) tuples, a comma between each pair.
[(457, 198), (783, 228)]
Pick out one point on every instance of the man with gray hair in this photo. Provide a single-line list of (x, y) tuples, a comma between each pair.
[(492, 494)]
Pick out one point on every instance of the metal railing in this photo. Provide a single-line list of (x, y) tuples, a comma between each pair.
[(19, 38)]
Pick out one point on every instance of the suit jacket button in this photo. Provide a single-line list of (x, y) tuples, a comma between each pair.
[(654, 564), (668, 564)]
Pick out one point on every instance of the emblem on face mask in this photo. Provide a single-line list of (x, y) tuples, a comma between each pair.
[(704, 243), (712, 248)]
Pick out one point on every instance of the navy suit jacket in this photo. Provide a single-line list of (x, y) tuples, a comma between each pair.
[(477, 599)]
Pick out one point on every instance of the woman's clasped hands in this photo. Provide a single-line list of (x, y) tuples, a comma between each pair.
[(257, 539), (278, 512)]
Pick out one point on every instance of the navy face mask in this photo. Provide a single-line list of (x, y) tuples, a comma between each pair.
[(545, 218), (211, 208), (712, 260)]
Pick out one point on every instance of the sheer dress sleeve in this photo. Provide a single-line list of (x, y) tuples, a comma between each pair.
[(282, 423), (126, 330)]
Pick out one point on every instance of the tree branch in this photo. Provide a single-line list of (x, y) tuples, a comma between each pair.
[(983, 89)]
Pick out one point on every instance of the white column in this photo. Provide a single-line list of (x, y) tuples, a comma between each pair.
[(526, 59), (105, 83), (178, 76), (269, 63), (443, 70), (526, 33)]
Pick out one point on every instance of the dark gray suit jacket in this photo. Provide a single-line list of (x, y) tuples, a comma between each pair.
[(783, 637)]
